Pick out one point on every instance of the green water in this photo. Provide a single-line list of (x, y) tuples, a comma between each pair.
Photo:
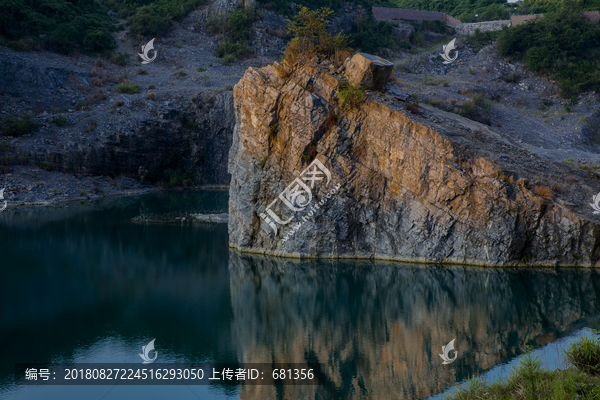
[(85, 284)]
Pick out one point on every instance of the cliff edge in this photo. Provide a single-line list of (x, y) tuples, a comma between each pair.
[(314, 176)]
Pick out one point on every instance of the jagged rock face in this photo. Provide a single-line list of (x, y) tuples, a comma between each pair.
[(200, 136), (426, 186), (378, 328)]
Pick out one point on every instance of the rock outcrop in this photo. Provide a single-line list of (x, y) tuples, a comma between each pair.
[(391, 180), (370, 71)]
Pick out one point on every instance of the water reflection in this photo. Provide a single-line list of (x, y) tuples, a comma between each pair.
[(379, 328), (85, 284)]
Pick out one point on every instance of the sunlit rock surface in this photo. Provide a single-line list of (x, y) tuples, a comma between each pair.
[(416, 183)]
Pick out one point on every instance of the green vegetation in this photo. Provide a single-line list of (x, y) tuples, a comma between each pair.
[(236, 27), (351, 96), (64, 26), (128, 88), (372, 37), (489, 10), (530, 381), (200, 69), (479, 39), (60, 120), (173, 173), (585, 356), (12, 126), (464, 10), (563, 44), (312, 38), (151, 17)]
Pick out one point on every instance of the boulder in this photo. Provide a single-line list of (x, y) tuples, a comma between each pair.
[(371, 71)]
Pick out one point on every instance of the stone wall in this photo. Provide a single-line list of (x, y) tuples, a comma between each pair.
[(468, 29)]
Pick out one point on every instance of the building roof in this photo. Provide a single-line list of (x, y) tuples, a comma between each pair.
[(396, 14)]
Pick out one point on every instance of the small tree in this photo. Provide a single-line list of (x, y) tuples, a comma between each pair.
[(311, 36)]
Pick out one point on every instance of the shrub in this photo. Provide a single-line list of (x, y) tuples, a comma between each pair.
[(543, 191), (128, 88), (479, 39), (372, 37), (18, 126), (512, 78), (201, 69), (330, 121), (228, 59), (142, 71), (237, 29), (584, 354), (351, 96), (119, 58), (151, 96), (60, 120)]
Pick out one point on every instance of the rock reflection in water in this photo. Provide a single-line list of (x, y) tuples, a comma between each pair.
[(378, 328)]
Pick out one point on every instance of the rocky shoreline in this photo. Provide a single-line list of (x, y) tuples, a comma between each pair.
[(417, 184)]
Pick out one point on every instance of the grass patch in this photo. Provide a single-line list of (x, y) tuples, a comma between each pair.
[(351, 96), (530, 381), (128, 88)]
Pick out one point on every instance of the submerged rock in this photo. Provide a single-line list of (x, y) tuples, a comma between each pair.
[(392, 180)]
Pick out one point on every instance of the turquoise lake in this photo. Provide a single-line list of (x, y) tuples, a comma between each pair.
[(84, 284)]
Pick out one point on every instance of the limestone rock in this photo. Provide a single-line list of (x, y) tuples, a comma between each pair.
[(394, 180), (371, 71)]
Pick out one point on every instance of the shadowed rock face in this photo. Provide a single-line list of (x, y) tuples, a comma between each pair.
[(420, 185), (379, 328), (153, 142)]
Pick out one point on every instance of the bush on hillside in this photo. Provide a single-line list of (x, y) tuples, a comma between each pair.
[(563, 44), (60, 25), (152, 17), (237, 29)]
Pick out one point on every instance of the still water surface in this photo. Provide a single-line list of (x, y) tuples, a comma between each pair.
[(85, 284)]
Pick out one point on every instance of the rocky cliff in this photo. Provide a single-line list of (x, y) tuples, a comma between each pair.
[(390, 180)]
